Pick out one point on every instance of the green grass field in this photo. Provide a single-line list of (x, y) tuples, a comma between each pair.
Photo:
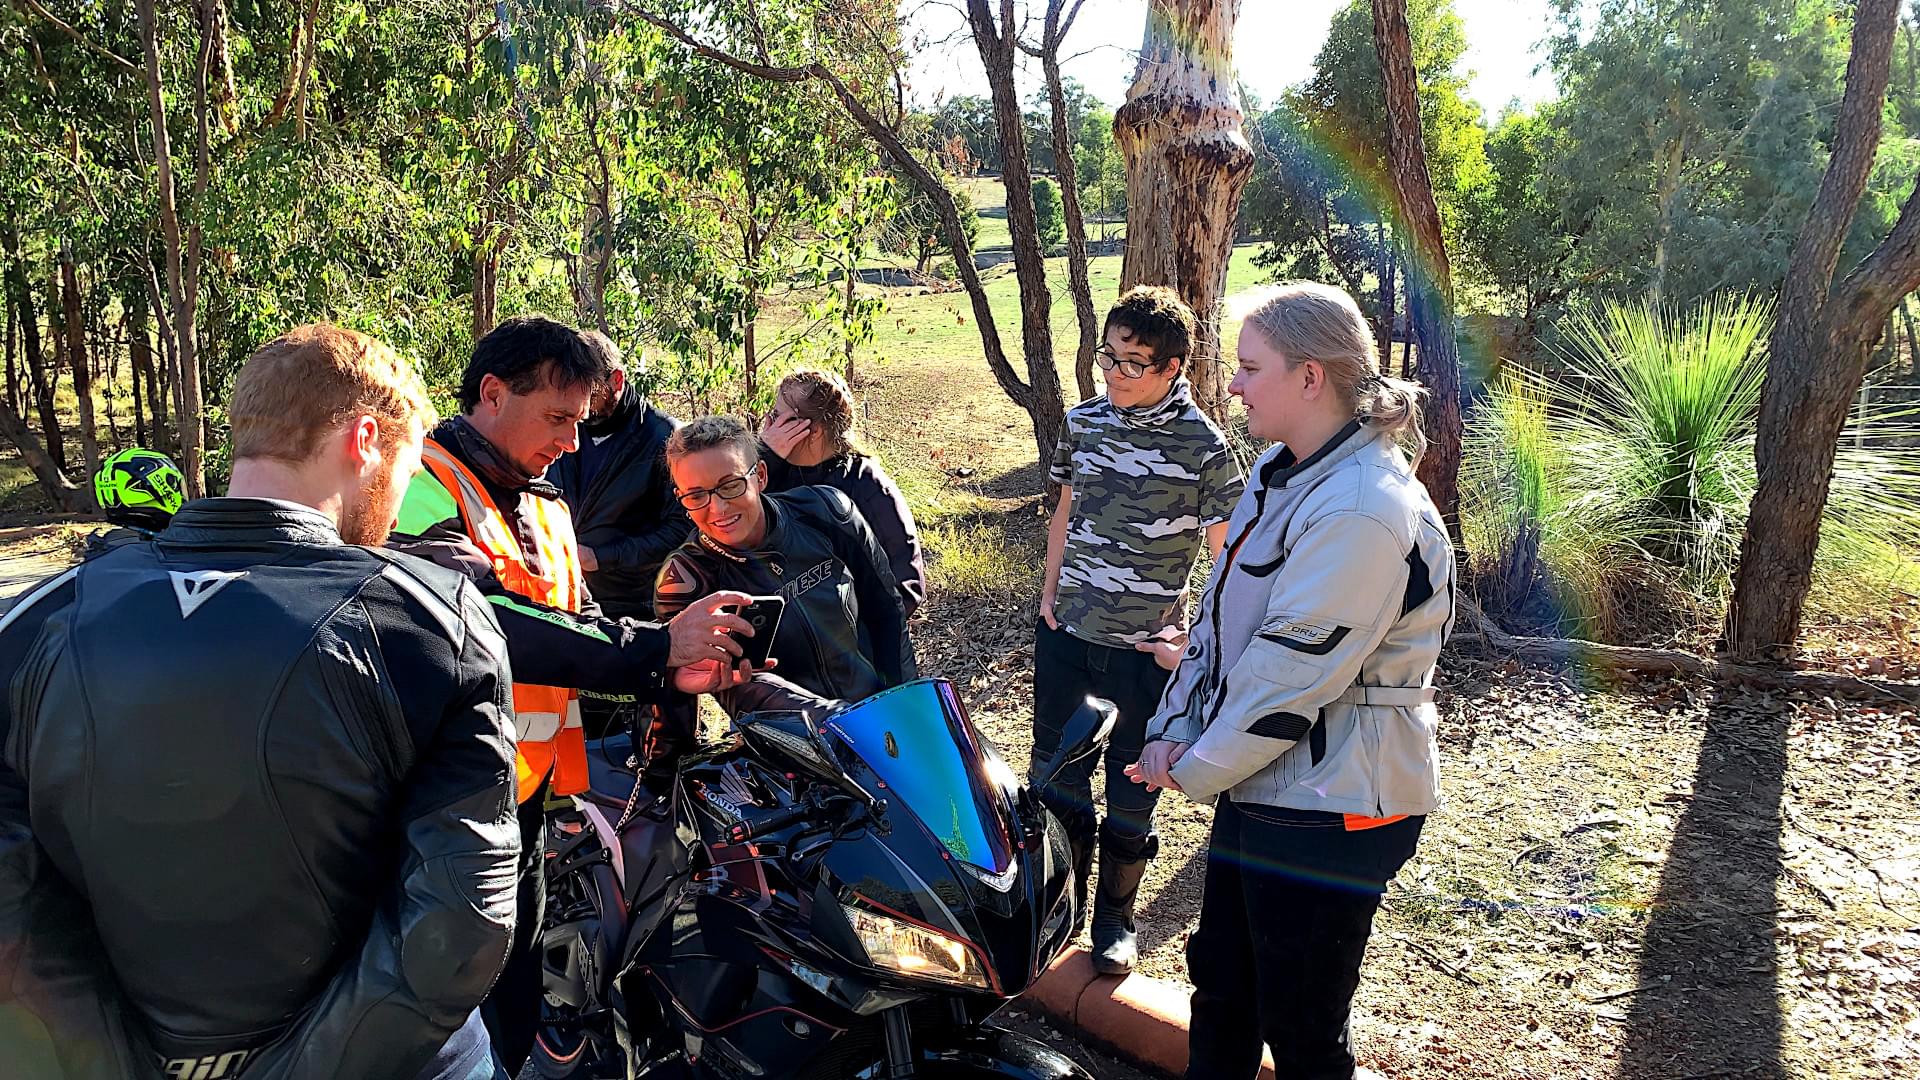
[(989, 197)]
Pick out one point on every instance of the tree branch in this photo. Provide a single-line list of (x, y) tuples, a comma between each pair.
[(85, 42), (701, 49), (1889, 273), (889, 141)]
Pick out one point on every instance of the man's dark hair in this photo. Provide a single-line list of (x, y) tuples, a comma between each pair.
[(1156, 317), (527, 351)]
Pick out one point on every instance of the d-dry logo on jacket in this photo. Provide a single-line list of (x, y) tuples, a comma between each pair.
[(196, 587)]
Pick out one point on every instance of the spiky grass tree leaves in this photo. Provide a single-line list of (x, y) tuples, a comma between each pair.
[(1609, 498)]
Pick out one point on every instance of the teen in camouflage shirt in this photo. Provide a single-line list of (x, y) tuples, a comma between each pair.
[(1143, 476)]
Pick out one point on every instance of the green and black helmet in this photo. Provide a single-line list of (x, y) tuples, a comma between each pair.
[(139, 488)]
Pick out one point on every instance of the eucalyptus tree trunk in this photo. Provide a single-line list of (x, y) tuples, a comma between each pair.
[(76, 331), (1188, 160), (182, 245), (37, 376), (32, 451), (998, 44), (1817, 358), (1430, 276), (1063, 164), (139, 354), (13, 369)]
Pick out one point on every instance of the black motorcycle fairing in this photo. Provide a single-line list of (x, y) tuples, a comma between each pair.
[(751, 968), (913, 876)]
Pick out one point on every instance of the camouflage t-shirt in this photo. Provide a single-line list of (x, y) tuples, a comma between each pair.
[(1147, 482)]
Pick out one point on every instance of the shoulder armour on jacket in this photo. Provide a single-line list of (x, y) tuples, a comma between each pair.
[(681, 578), (446, 594)]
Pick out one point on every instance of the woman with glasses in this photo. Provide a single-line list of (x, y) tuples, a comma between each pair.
[(843, 633)]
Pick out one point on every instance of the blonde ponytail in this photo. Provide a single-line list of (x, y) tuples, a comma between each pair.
[(1305, 320)]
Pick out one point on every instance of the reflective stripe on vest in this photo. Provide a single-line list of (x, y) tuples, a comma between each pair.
[(546, 718)]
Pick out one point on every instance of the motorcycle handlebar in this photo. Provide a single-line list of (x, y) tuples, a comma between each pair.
[(766, 823)]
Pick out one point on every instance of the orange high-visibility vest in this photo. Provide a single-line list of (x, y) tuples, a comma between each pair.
[(546, 718)]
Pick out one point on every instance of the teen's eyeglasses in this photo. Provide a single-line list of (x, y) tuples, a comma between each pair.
[(729, 489), (1132, 369)]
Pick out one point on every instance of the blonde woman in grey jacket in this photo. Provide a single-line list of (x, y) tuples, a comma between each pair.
[(1304, 696)]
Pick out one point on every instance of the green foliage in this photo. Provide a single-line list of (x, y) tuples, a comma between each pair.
[(1692, 139), (1050, 215), (1319, 192), (915, 228), (1510, 225), (1611, 501), (1102, 175)]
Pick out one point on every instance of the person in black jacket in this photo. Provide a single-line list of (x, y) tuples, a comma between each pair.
[(617, 488), (843, 632), (808, 439), (257, 801)]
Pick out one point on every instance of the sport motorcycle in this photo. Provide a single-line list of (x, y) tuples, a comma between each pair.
[(849, 895)]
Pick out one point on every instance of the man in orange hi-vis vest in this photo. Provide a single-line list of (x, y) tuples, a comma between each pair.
[(480, 504)]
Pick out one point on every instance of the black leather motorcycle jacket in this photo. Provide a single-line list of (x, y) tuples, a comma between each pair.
[(843, 633), (277, 771)]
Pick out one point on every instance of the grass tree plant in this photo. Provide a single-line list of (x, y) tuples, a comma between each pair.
[(1608, 499)]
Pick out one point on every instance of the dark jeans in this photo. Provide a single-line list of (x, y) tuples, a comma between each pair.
[(512, 1009), (466, 1056), (1289, 904), (1065, 670)]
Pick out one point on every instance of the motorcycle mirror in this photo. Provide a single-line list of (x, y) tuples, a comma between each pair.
[(790, 735), (794, 736), (1086, 731)]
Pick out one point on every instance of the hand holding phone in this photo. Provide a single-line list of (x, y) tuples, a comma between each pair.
[(763, 615)]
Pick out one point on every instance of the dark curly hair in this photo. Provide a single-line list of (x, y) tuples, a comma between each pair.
[(529, 351), (1156, 317)]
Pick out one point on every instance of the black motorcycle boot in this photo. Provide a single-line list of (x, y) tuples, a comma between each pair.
[(1123, 864), (1080, 848)]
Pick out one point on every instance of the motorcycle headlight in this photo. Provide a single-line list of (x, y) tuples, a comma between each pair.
[(916, 950)]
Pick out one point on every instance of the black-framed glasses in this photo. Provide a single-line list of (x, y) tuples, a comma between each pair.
[(731, 488), (1132, 369)]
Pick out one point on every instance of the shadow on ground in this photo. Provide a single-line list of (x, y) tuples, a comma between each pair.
[(1175, 909), (1713, 1008)]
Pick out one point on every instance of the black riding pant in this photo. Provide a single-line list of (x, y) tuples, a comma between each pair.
[(1065, 670), (1289, 904)]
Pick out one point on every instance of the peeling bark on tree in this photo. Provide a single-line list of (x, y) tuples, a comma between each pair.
[(1430, 276), (1187, 157), (1817, 358)]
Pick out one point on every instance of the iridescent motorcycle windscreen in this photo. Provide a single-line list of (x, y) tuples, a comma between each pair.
[(917, 738)]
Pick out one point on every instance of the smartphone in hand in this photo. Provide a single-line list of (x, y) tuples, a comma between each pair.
[(763, 614)]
